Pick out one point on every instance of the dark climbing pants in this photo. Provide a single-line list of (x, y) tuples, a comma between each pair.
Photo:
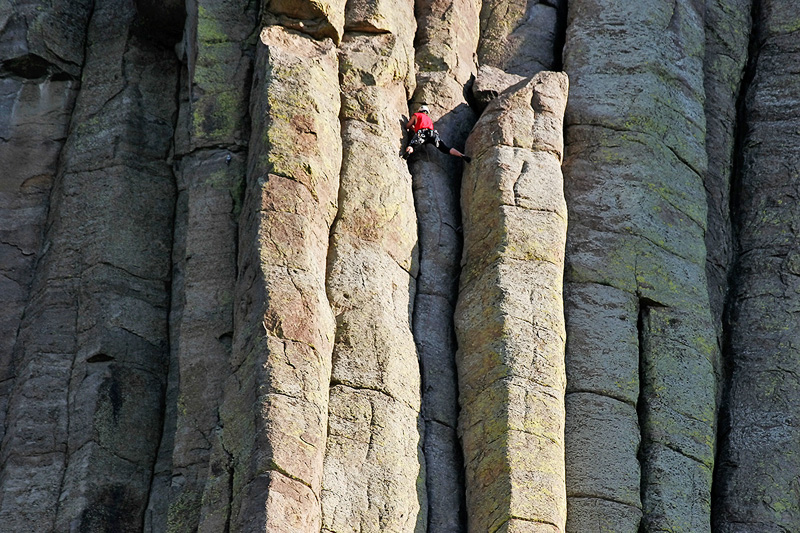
[(427, 136)]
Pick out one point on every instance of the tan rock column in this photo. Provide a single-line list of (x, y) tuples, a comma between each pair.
[(275, 408), (759, 463), (509, 317), (641, 348), (374, 475)]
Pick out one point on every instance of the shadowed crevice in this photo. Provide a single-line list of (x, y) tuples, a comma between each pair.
[(641, 410), (722, 462)]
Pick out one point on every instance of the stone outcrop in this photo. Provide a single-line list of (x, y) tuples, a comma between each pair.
[(228, 304), (445, 45), (210, 163), (42, 55), (522, 36), (727, 39), (641, 344), (374, 468), (275, 408), (757, 474), (509, 317), (83, 419)]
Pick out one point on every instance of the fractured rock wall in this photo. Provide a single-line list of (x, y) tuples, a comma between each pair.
[(757, 474), (641, 400), (509, 317), (445, 42), (96, 320), (228, 304)]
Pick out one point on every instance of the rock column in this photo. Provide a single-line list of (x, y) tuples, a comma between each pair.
[(522, 36), (275, 408), (509, 317), (374, 469), (42, 52), (641, 347), (85, 413), (446, 40), (211, 151), (727, 38), (759, 459)]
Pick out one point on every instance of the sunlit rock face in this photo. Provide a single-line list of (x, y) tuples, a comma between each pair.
[(227, 303)]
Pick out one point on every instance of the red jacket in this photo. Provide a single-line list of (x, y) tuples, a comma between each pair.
[(423, 122)]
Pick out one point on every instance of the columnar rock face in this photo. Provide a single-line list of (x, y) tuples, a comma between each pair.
[(759, 462), (42, 52), (727, 38), (641, 341), (374, 474), (228, 304), (521, 36), (445, 45), (210, 160), (509, 318), (82, 427), (276, 400)]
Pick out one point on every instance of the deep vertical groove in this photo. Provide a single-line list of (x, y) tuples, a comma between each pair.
[(170, 295), (561, 35), (445, 43), (755, 479), (740, 134), (641, 410)]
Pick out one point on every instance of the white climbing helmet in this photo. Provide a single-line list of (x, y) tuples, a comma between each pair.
[(423, 109)]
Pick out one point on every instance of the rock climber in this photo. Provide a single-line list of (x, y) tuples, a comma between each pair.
[(422, 125)]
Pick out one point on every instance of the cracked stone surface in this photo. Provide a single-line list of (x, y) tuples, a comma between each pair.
[(509, 317), (228, 304), (758, 469), (635, 135), (83, 417)]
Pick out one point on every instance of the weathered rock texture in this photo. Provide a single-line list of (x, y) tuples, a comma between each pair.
[(727, 25), (83, 419), (210, 162), (759, 464), (522, 36), (276, 401), (641, 343), (227, 304), (445, 45), (509, 318), (42, 52), (374, 475)]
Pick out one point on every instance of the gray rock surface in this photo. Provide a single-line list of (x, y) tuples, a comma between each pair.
[(758, 468), (275, 408), (228, 304), (446, 40), (490, 82), (509, 317), (521, 36), (727, 39), (634, 183), (210, 146), (85, 412), (42, 53)]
